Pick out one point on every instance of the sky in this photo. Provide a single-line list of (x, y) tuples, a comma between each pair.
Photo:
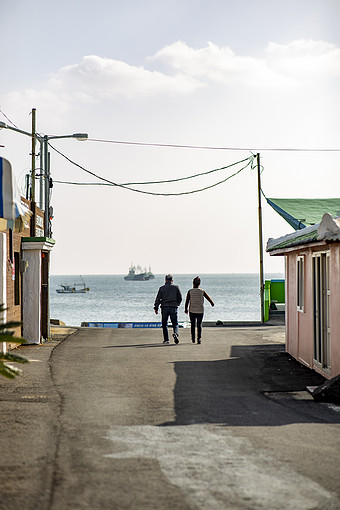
[(251, 75)]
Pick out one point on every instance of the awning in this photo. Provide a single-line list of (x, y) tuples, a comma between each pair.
[(11, 208), (303, 212)]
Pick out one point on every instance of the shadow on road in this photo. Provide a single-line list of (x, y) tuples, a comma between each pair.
[(235, 391)]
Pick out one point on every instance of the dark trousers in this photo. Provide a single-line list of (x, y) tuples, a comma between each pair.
[(169, 311), (196, 318)]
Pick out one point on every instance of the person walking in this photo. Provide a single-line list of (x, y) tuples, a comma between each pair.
[(169, 298), (194, 304)]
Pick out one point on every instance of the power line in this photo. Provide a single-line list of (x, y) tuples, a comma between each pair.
[(83, 183), (248, 161), (207, 147), (173, 194), (166, 181), (7, 118)]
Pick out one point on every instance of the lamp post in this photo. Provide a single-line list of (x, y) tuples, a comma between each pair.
[(46, 165), (47, 173), (5, 126), (34, 137)]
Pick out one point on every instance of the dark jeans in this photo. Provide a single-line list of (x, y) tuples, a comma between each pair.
[(196, 317), (169, 311)]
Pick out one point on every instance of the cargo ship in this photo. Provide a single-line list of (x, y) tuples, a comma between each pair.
[(136, 273)]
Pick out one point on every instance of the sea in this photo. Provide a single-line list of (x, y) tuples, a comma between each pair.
[(113, 299)]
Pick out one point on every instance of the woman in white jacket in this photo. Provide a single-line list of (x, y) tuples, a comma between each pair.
[(194, 304)]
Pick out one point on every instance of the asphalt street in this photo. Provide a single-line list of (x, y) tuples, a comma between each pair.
[(113, 419)]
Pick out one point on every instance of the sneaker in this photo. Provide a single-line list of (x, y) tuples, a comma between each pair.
[(176, 339), (193, 340), (198, 341), (165, 341)]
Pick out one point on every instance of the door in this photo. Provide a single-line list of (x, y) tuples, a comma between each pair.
[(45, 316), (322, 329)]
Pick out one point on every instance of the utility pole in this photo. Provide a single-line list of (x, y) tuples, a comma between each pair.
[(33, 155), (42, 177), (32, 197), (47, 187), (260, 236)]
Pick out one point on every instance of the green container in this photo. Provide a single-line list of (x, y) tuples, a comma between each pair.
[(274, 292)]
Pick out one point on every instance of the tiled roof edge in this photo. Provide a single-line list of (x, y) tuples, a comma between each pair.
[(327, 230)]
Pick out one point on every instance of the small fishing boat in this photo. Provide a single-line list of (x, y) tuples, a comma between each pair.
[(76, 288)]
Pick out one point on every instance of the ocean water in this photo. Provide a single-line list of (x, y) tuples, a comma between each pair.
[(112, 299)]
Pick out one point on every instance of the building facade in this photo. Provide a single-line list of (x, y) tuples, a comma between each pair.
[(24, 275), (312, 266)]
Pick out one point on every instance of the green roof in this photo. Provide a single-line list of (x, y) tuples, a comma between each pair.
[(326, 230), (303, 212), (293, 240)]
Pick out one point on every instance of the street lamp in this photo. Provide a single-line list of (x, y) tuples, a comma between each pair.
[(43, 140), (31, 135), (47, 174), (5, 126)]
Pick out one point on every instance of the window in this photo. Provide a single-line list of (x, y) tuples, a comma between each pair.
[(300, 276)]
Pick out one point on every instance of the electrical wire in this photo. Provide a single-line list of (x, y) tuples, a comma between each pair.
[(249, 161), (9, 120), (178, 146), (207, 147), (180, 193), (166, 181)]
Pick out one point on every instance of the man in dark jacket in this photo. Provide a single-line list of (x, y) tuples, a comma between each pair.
[(169, 298)]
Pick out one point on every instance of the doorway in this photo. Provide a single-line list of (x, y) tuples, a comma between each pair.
[(44, 295), (321, 312)]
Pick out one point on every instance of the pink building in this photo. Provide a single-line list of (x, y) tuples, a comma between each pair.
[(312, 262)]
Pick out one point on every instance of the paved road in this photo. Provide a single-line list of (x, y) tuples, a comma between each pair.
[(113, 419)]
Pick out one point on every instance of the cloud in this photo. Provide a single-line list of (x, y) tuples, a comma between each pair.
[(289, 88), (186, 70), (102, 77), (280, 66), (219, 65), (305, 59)]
